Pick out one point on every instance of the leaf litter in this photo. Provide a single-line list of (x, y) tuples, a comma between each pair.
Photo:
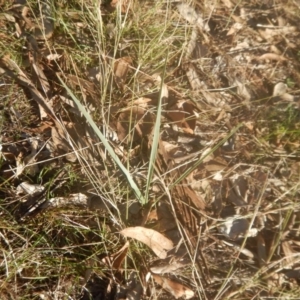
[(212, 146)]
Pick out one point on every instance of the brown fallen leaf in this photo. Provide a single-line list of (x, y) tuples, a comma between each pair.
[(42, 79), (272, 56), (175, 288), (261, 250), (142, 102), (134, 122), (170, 264), (45, 29), (86, 87), (15, 72), (28, 162), (153, 239), (280, 92), (166, 220), (60, 142), (121, 68), (115, 260), (193, 78), (124, 4), (182, 114), (193, 17), (186, 193), (270, 33)]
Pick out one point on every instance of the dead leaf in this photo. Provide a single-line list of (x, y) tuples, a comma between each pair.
[(193, 78), (186, 193), (43, 81), (228, 3), (142, 102), (115, 260), (175, 288), (14, 71), (279, 89), (234, 29), (270, 33), (288, 252), (190, 15), (134, 122), (187, 206), (121, 68), (28, 163), (169, 267), (243, 91), (261, 249), (45, 28), (153, 239), (123, 4), (53, 56), (182, 114), (165, 219), (78, 199), (192, 45), (86, 87), (29, 189), (272, 56)]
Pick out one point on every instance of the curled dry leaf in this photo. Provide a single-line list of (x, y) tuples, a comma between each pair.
[(272, 56), (236, 227), (279, 89), (187, 194), (261, 249), (53, 56), (123, 4), (61, 144), (175, 288), (192, 45), (42, 79), (115, 260), (182, 114), (228, 3), (28, 162), (45, 28), (170, 264), (78, 199), (153, 239), (234, 28), (29, 188), (134, 122), (270, 33), (190, 15), (121, 68), (165, 220), (14, 71), (142, 102), (243, 91), (193, 78)]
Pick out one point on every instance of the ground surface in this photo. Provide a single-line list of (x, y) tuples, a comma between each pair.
[(150, 149)]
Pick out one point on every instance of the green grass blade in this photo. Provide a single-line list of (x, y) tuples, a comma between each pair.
[(163, 93), (105, 143), (198, 162)]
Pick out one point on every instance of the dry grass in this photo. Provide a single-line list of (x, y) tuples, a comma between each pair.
[(195, 133)]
